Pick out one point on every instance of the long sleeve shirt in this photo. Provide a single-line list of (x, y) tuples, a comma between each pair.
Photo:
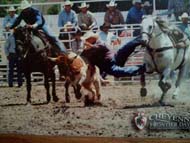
[(107, 38), (114, 17), (8, 20), (185, 28), (134, 16), (65, 17), (87, 19), (32, 16), (99, 55)]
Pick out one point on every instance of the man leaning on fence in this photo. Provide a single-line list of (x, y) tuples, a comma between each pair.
[(67, 20), (10, 49), (86, 19), (113, 15)]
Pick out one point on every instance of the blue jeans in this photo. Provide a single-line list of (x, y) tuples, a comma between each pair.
[(125, 51), (14, 60), (111, 68), (49, 33)]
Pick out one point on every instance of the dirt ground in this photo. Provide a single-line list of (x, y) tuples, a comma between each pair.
[(111, 119)]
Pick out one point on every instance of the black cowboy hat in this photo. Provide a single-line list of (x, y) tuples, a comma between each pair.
[(105, 25)]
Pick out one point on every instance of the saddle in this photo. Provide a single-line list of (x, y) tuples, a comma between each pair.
[(178, 38), (47, 41)]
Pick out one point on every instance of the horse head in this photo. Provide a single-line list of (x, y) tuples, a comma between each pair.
[(147, 26), (23, 38)]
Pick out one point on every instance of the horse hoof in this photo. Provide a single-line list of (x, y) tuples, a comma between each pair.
[(162, 103), (55, 99), (143, 92)]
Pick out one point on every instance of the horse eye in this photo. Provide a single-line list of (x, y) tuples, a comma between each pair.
[(150, 27)]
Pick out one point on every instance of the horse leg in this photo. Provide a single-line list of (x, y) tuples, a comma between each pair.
[(164, 84), (55, 98), (180, 77), (28, 87), (143, 91), (67, 97), (46, 84)]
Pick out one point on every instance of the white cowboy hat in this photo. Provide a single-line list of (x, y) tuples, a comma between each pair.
[(147, 3), (68, 2), (88, 35), (184, 15), (25, 4), (111, 4), (84, 5), (137, 1), (11, 8)]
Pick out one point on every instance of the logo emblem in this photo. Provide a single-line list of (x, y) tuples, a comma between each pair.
[(140, 120)]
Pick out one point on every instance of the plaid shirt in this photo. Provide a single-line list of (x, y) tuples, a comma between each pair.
[(114, 17)]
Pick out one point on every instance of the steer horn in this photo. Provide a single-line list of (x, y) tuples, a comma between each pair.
[(52, 59)]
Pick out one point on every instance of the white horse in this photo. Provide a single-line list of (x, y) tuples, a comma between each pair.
[(163, 56)]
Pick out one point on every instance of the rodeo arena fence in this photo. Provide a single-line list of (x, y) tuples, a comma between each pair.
[(126, 35)]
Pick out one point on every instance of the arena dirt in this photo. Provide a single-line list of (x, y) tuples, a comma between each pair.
[(111, 119)]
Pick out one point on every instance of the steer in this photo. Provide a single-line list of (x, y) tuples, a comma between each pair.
[(83, 77)]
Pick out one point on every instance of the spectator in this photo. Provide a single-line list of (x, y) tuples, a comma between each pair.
[(9, 19), (176, 7), (67, 20), (135, 15), (147, 8), (86, 19), (13, 59), (113, 16), (105, 36), (10, 47), (184, 25), (67, 15), (77, 44)]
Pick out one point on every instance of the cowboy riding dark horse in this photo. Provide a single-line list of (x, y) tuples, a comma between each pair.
[(34, 48)]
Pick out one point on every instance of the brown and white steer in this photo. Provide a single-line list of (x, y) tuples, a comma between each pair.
[(83, 77)]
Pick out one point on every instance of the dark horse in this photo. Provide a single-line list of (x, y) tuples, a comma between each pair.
[(34, 53)]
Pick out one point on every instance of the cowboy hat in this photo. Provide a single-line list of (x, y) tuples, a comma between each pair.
[(84, 5), (137, 1), (184, 15), (68, 2), (25, 4), (105, 25), (111, 4), (147, 3), (89, 35), (11, 8)]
